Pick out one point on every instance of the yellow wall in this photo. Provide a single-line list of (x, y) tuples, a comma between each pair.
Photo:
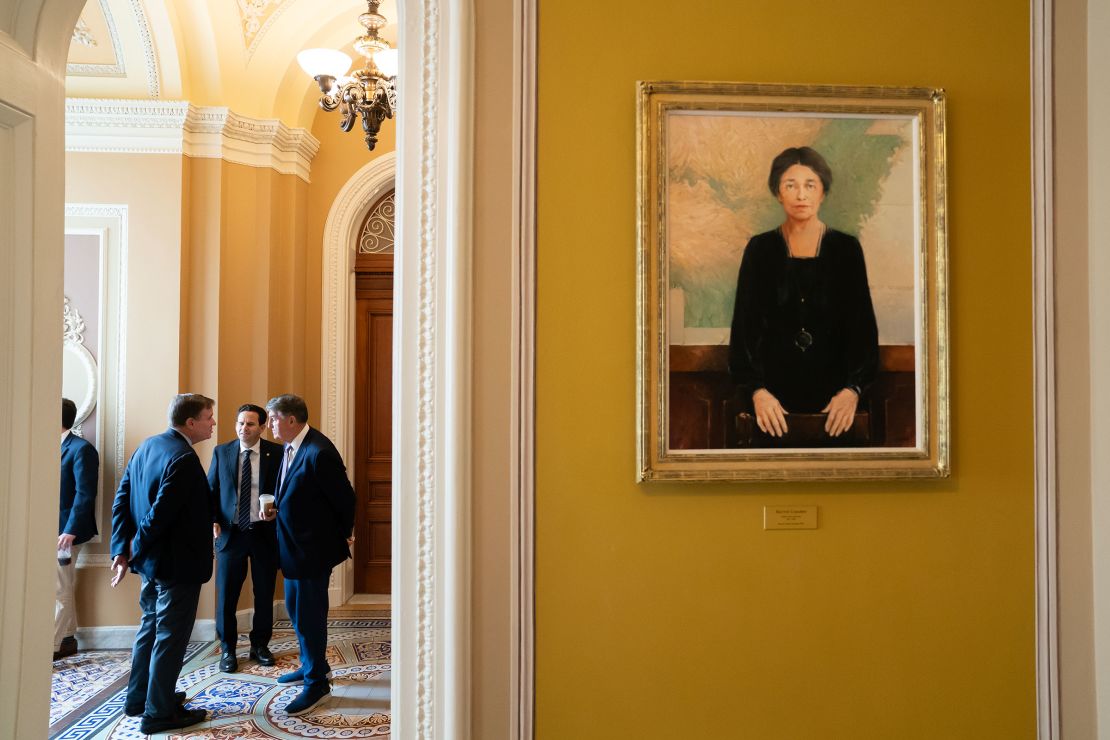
[(664, 608), (340, 156)]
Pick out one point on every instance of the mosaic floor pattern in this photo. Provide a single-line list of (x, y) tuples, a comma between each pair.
[(249, 704)]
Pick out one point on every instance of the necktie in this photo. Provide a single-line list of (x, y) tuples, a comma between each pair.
[(285, 458), (244, 519)]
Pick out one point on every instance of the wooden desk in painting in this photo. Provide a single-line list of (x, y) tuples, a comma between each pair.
[(706, 413)]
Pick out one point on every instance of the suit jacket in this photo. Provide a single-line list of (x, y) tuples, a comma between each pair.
[(162, 513), (80, 473), (223, 479), (316, 510)]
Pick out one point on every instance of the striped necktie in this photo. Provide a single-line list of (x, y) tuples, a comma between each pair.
[(244, 519), (285, 460)]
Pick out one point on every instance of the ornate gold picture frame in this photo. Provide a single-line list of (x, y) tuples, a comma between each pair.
[(792, 287)]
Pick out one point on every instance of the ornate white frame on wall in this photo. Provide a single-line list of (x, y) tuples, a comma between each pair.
[(347, 212), (73, 340), (109, 223)]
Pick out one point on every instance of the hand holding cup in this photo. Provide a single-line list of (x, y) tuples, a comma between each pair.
[(266, 507)]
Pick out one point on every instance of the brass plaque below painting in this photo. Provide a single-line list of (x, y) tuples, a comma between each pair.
[(790, 517)]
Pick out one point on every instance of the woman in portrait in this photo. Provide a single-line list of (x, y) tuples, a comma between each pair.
[(804, 338)]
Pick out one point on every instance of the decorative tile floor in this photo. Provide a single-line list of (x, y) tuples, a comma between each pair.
[(88, 695)]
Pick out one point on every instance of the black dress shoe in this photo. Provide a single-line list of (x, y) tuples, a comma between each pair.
[(263, 655), (307, 699), (228, 662), (181, 718), (134, 711), (67, 648)]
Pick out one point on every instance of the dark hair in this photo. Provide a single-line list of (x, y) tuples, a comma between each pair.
[(185, 406), (804, 156), (261, 412), (69, 413), (289, 405)]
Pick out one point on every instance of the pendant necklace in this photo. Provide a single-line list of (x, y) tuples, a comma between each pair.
[(803, 340)]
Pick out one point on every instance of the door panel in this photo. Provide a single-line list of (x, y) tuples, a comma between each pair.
[(374, 430)]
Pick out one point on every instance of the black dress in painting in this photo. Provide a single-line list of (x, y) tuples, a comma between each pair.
[(803, 328)]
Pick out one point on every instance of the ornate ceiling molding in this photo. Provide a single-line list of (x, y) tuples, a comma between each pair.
[(83, 35), (147, 39), (178, 127), (257, 17)]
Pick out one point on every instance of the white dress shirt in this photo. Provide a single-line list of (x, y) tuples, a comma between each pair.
[(287, 459)]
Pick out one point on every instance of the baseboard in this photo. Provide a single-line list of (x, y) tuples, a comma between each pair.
[(122, 637), (244, 618)]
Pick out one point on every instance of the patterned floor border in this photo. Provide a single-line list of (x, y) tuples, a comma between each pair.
[(249, 704)]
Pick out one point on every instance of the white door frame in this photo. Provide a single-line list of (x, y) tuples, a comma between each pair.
[(1044, 357), (337, 364)]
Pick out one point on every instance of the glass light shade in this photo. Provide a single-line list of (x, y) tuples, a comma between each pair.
[(387, 62), (318, 62)]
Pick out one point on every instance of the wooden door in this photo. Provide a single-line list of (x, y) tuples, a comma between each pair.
[(373, 433), (373, 418)]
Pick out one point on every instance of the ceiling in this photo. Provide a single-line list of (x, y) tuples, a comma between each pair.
[(235, 53)]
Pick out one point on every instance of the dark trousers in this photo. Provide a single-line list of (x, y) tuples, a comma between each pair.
[(307, 602), (259, 546), (169, 611)]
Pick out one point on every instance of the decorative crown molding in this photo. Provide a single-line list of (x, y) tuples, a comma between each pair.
[(178, 127)]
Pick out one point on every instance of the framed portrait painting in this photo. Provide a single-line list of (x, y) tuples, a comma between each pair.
[(792, 309)]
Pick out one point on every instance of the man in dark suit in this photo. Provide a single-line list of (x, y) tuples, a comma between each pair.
[(315, 517), (161, 528), (241, 470), (76, 525)]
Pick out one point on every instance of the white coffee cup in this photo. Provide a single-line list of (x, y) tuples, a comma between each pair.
[(266, 504)]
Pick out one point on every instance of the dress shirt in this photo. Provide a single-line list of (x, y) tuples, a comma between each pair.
[(256, 466), (287, 459), (64, 435)]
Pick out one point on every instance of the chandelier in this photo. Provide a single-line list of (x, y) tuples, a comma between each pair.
[(371, 92)]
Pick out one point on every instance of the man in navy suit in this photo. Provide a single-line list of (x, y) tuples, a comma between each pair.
[(241, 470), (76, 525), (315, 517), (161, 529)]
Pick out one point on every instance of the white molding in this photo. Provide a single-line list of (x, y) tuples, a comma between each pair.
[(149, 56), (522, 620), (178, 127), (125, 126), (121, 637), (244, 618), (431, 382), (92, 377), (1041, 112), (109, 219), (348, 210), (254, 42), (103, 70), (220, 133)]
